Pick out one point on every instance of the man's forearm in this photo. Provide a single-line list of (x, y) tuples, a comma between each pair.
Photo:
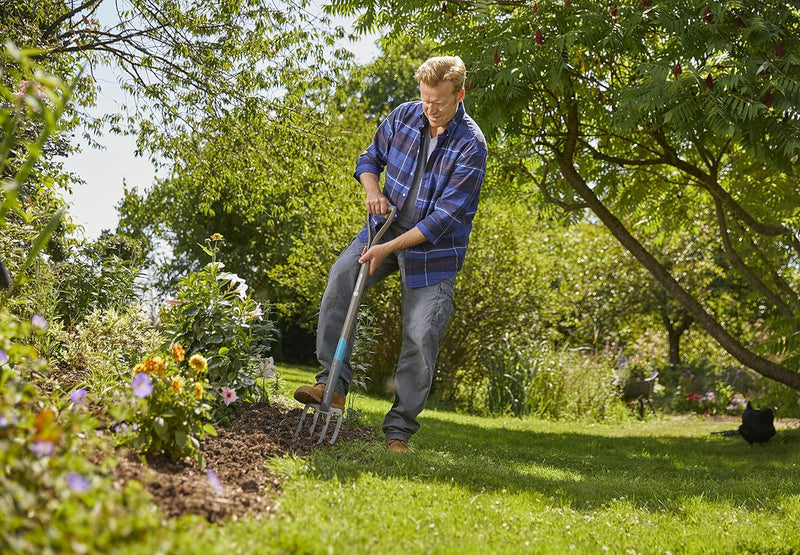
[(370, 183), (410, 238), (378, 252)]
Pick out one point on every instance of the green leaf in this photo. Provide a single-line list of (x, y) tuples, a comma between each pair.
[(181, 439), (160, 427)]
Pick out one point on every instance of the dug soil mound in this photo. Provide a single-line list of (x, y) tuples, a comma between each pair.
[(237, 480)]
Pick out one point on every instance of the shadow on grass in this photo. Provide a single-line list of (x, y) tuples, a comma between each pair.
[(583, 468)]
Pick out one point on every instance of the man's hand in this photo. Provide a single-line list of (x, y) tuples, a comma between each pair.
[(378, 252), (377, 204), (375, 256)]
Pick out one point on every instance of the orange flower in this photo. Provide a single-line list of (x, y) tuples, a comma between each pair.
[(139, 368), (154, 365), (177, 352), (177, 384), (198, 390), (198, 363), (46, 427)]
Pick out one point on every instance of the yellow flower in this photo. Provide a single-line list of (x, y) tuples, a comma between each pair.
[(177, 352), (198, 362), (139, 368), (216, 237), (198, 390), (154, 365), (177, 384)]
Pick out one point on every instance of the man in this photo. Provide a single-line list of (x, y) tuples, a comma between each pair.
[(434, 156)]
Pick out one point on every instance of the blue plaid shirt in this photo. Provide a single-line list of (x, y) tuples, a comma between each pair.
[(448, 194)]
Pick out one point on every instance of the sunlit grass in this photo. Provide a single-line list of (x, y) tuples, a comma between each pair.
[(502, 485)]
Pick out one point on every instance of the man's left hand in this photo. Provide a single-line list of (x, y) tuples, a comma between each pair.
[(375, 256)]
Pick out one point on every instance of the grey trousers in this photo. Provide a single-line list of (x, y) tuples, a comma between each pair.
[(425, 313)]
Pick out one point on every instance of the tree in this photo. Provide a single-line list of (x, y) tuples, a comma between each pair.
[(182, 61), (651, 115)]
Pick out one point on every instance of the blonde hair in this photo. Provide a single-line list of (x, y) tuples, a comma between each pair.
[(442, 68)]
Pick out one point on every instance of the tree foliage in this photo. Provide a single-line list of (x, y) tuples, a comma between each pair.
[(662, 117), (182, 61)]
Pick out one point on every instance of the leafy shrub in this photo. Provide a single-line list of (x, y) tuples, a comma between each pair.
[(524, 381), (97, 275), (213, 314), (101, 349), (51, 496), (170, 405), (538, 380)]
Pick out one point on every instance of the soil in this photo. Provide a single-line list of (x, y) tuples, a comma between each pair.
[(238, 457)]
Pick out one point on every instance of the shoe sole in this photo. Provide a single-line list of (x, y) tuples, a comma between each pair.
[(307, 399)]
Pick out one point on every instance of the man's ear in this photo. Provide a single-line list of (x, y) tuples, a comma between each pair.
[(461, 95)]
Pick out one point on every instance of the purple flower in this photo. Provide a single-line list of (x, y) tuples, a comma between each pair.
[(142, 386), (216, 485), (78, 397), (42, 448), (39, 321), (3, 357), (738, 402), (77, 483), (7, 420), (709, 396)]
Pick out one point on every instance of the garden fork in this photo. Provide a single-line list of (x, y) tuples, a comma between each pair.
[(324, 408)]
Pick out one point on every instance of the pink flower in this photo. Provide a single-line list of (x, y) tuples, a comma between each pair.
[(34, 88), (228, 395)]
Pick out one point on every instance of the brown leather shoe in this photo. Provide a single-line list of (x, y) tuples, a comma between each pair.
[(307, 394), (398, 445)]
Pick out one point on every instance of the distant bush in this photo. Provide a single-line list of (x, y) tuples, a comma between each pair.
[(539, 380)]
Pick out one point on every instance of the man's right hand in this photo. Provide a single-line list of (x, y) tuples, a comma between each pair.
[(377, 204)]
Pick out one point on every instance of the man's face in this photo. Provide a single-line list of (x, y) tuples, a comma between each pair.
[(440, 103)]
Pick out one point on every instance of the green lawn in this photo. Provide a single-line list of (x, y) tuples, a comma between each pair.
[(502, 485)]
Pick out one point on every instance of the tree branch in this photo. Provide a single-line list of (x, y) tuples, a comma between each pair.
[(54, 25), (763, 366), (740, 265)]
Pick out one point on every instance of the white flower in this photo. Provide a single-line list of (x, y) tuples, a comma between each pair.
[(235, 284), (268, 368)]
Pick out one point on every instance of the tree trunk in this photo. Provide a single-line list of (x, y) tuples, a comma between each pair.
[(763, 366), (674, 334)]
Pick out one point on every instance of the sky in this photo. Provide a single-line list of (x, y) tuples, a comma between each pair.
[(106, 171)]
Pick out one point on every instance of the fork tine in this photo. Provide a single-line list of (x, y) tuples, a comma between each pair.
[(336, 430), (325, 427), (300, 425), (314, 423)]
